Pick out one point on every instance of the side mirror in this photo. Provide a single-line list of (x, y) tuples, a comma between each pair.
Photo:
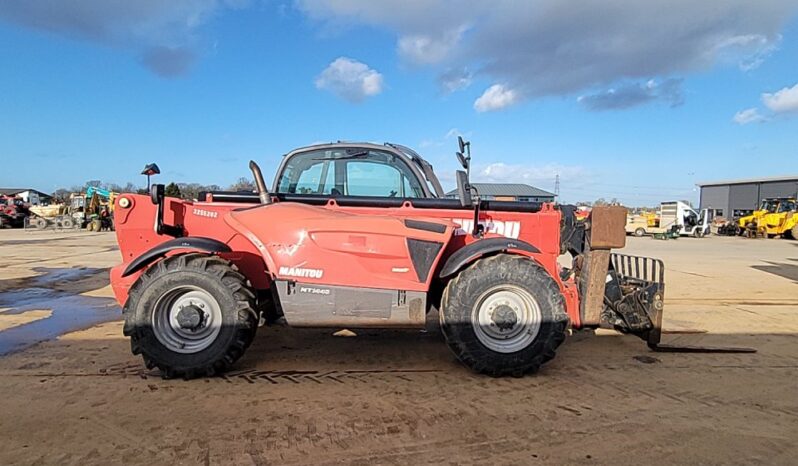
[(463, 189), (461, 143), (462, 159), (156, 193)]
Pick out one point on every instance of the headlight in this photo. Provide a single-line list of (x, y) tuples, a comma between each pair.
[(124, 203)]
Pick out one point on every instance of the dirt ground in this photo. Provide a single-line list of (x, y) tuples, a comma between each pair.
[(304, 396)]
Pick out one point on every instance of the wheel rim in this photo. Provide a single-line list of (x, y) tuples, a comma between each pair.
[(506, 319), (187, 319)]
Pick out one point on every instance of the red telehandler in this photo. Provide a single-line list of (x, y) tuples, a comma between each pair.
[(359, 235)]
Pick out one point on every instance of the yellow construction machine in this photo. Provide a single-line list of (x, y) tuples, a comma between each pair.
[(776, 216)]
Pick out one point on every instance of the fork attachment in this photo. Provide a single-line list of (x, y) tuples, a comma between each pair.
[(634, 299)]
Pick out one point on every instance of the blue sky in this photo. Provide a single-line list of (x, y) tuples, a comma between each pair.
[(616, 106)]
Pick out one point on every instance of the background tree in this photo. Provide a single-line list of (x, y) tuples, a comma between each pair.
[(118, 188), (172, 190), (243, 184), (61, 195)]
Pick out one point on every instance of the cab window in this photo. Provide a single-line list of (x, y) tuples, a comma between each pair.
[(349, 171)]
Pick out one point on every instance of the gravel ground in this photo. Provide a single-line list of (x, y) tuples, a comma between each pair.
[(71, 392)]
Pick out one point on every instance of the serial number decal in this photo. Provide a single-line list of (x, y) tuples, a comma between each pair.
[(307, 289), (507, 229), (206, 213), (301, 272)]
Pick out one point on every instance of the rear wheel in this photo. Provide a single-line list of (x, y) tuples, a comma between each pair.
[(38, 223), (191, 315), (67, 223), (640, 232), (503, 315)]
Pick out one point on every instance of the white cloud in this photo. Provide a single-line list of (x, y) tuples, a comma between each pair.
[(425, 49), (438, 142), (162, 33), (630, 95), (549, 47), (496, 97), (350, 79), (541, 175), (783, 101), (749, 115), (455, 79), (453, 133)]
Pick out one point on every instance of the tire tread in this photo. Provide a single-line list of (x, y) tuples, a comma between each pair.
[(246, 313)]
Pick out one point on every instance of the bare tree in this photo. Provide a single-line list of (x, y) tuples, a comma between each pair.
[(243, 184)]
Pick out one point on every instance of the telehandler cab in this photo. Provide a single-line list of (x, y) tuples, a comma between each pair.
[(359, 235)]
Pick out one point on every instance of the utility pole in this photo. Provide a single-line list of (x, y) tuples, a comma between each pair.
[(557, 186)]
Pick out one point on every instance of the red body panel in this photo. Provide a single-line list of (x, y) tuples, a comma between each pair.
[(333, 245)]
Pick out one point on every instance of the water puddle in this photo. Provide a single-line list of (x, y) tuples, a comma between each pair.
[(70, 310)]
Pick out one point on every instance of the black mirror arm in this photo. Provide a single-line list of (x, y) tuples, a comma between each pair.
[(478, 229), (158, 198)]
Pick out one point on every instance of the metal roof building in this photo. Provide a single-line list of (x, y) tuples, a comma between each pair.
[(735, 198), (509, 192), (32, 196)]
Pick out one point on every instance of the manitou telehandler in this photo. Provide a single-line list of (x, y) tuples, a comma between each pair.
[(360, 235)]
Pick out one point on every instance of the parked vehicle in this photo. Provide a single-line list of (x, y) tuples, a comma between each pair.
[(676, 218), (64, 216), (92, 210), (776, 216), (358, 236), (99, 211), (13, 212)]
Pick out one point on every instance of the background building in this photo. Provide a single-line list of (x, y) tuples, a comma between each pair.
[(509, 192), (30, 196), (734, 198)]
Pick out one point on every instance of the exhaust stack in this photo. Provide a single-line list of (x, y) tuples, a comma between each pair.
[(263, 192)]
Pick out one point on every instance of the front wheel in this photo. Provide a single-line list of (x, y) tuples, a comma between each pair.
[(38, 223), (191, 315), (503, 315)]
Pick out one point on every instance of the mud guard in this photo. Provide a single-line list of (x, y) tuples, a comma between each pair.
[(480, 248), (190, 243)]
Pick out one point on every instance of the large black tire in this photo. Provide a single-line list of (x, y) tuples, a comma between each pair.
[(38, 222), (462, 303), (212, 275), (793, 233)]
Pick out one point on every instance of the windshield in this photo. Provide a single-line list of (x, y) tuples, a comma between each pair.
[(787, 206), (349, 172), (769, 205)]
